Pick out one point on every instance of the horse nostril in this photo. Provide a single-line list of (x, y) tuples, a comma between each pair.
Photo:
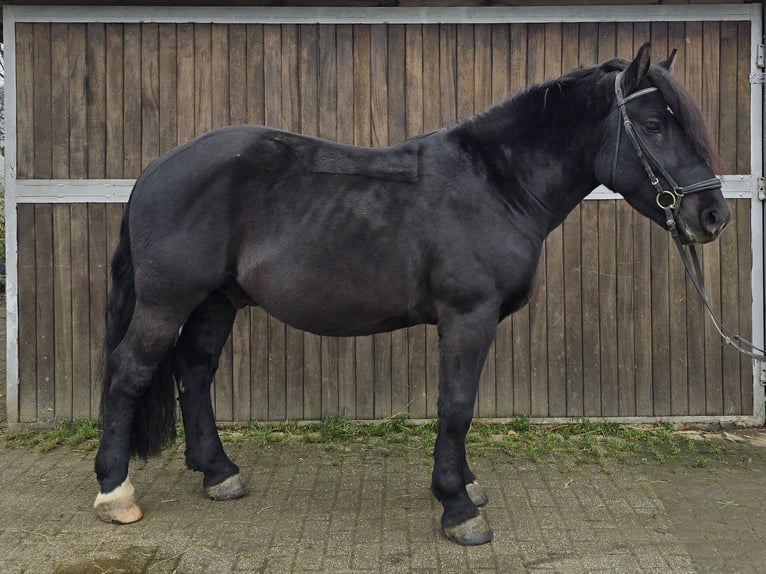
[(712, 221)]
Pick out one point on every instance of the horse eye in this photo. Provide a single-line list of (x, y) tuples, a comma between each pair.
[(652, 127)]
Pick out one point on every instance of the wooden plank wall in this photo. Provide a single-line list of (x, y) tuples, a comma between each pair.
[(614, 329)]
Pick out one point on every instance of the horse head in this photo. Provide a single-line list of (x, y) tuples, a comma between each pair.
[(657, 152)]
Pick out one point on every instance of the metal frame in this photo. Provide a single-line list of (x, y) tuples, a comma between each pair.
[(79, 191)]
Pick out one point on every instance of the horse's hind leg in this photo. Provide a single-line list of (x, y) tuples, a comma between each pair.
[(194, 364), (132, 367)]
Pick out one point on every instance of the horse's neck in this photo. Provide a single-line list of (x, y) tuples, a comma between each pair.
[(541, 152)]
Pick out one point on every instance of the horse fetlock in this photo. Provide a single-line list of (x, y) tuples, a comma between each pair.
[(471, 532), (228, 489), (119, 505)]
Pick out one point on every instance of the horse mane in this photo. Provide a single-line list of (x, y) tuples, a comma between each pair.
[(685, 109)]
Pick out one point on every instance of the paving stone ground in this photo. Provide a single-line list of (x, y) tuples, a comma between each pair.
[(311, 509), (353, 509)]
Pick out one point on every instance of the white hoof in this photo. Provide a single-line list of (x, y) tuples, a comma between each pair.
[(118, 506)]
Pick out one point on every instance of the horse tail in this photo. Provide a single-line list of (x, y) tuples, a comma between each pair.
[(154, 418)]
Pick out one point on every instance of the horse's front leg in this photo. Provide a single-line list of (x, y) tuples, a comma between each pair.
[(464, 339)]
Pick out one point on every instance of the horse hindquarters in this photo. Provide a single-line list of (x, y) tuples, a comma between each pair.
[(195, 361), (138, 399)]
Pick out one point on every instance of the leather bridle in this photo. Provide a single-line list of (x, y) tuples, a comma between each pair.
[(670, 202)]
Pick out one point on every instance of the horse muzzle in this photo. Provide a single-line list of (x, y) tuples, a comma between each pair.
[(711, 221)]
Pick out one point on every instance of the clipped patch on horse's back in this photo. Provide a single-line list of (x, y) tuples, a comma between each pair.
[(396, 163)]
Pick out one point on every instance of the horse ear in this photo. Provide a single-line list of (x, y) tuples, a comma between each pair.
[(671, 61), (637, 69)]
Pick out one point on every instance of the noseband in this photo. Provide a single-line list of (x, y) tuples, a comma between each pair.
[(670, 202)]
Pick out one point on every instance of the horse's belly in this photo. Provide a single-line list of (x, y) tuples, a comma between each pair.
[(328, 298)]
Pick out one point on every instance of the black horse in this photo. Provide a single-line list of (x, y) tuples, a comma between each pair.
[(445, 228)]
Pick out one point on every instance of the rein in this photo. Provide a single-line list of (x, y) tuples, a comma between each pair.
[(670, 203)]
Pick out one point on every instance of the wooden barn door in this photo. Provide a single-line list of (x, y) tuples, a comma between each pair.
[(613, 329)]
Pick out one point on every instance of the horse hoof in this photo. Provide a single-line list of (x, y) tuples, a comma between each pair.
[(477, 495), (230, 488), (118, 506), (472, 532)]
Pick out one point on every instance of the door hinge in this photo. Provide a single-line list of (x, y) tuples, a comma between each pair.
[(761, 188), (760, 57), (762, 374)]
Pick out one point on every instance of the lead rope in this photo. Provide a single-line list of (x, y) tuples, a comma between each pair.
[(693, 269)]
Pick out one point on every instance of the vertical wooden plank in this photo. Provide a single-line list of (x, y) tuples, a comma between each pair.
[(500, 60), (80, 276), (43, 122), (44, 312), (727, 147), (589, 402), (185, 98), (242, 383), (642, 295), (96, 94), (624, 382), (27, 313), (223, 388), (695, 316), (259, 364), (465, 69), (607, 263), (150, 93), (668, 295), (97, 281), (554, 264), (438, 83), (422, 115), (60, 100), (168, 86), (364, 349), (745, 265), (219, 74), (591, 333), (744, 251), (131, 100), (254, 76), (402, 391), (62, 305), (25, 95), (256, 317), (114, 101), (309, 120), (731, 372), (328, 100), (379, 110), (520, 320), (238, 71), (711, 263), (277, 367), (203, 83), (538, 332), (482, 99), (291, 115), (572, 261), (345, 134), (743, 98)]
